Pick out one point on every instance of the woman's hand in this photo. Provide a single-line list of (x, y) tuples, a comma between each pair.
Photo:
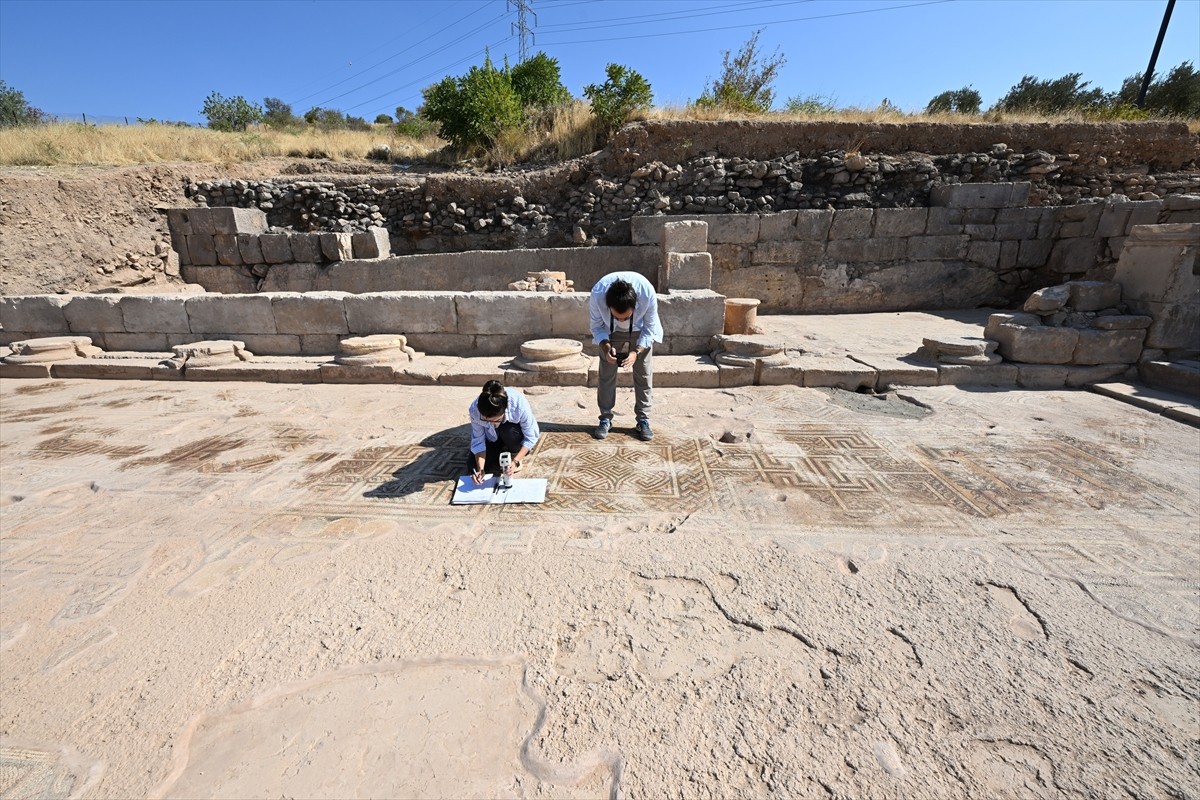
[(477, 475)]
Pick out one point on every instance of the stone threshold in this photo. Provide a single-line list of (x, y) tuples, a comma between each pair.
[(853, 373), (1172, 405)]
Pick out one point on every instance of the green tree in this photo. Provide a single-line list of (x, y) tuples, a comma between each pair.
[(624, 92), (1176, 95), (14, 110), (230, 114), (278, 114), (475, 109), (958, 101), (746, 80), (1067, 93), (538, 83), (383, 119), (327, 119), (414, 124)]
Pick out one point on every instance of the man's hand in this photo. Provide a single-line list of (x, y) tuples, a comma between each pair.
[(608, 352), (630, 357), (477, 475)]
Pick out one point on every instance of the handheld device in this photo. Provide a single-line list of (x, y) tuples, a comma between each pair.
[(504, 481)]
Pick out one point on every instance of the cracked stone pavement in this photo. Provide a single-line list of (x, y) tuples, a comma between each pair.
[(250, 590)]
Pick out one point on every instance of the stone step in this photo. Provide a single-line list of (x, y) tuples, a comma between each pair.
[(1173, 405), (1174, 376)]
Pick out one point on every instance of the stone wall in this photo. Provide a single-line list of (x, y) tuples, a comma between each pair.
[(967, 252), (719, 168), (439, 323)]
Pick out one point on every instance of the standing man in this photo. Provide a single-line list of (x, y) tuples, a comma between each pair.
[(623, 311)]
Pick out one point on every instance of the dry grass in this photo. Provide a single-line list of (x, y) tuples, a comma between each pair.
[(63, 144), (564, 133)]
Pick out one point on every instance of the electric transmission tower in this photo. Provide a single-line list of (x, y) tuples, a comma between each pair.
[(521, 26)]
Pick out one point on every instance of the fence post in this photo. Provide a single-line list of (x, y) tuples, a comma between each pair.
[(85, 118)]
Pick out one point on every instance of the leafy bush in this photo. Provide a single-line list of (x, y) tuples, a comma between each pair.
[(230, 114), (959, 101), (1178, 94), (383, 119), (278, 113), (414, 124), (1063, 94), (624, 92), (538, 83), (14, 110), (746, 80), (472, 111)]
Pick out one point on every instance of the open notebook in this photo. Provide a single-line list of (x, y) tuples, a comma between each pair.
[(524, 490)]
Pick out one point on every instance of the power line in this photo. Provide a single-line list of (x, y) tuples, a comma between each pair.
[(751, 25), (672, 16), (453, 24)]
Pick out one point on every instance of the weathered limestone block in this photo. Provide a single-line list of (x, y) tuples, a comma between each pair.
[(685, 236), (257, 371), (201, 220), (967, 375), (569, 315), (384, 348), (938, 248), (403, 312), (1122, 322), (224, 313), (51, 348), (276, 248), (958, 350), (779, 226), (900, 222), (310, 314), (944, 222), (127, 369), (179, 225), (138, 342), (686, 271), (552, 355), (732, 228), (210, 353), (226, 246), (306, 247), (1024, 339), (36, 313), (1080, 220), (228, 220), (980, 195), (813, 225), (1093, 295), (1108, 347), (1042, 376), (337, 246), (250, 248), (1034, 253), (202, 249), (490, 313), (371, 243), (852, 223), (691, 313), (1048, 300), (155, 313), (1159, 276), (866, 250), (94, 313), (1073, 255), (842, 373)]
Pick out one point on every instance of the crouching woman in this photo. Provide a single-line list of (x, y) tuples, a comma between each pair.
[(501, 421)]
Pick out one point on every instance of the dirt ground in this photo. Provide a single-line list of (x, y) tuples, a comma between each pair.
[(87, 229)]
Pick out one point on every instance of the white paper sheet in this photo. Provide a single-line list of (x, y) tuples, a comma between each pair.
[(524, 490)]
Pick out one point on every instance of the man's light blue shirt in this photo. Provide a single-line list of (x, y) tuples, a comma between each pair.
[(518, 411), (645, 311)]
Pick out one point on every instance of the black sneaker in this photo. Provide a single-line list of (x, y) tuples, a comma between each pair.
[(643, 430), (602, 429)]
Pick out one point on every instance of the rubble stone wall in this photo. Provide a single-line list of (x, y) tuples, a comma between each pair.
[(284, 323)]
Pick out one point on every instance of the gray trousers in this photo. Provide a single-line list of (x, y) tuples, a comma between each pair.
[(643, 381)]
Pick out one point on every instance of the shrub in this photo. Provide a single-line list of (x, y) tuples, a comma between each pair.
[(278, 113), (383, 119), (746, 80), (959, 101), (472, 111), (624, 92), (414, 125), (14, 110), (1178, 94), (812, 105), (1067, 93), (230, 114), (538, 83)]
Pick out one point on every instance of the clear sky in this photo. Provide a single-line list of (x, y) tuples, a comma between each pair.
[(161, 58)]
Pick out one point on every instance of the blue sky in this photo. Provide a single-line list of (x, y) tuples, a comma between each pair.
[(161, 58)]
